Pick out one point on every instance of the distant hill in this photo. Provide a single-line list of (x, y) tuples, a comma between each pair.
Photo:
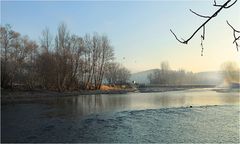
[(207, 77)]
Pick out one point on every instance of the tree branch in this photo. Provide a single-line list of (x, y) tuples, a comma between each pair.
[(233, 27), (199, 14), (202, 39), (234, 35), (203, 25), (183, 41), (217, 5), (238, 38)]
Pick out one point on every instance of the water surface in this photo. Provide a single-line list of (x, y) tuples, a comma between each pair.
[(134, 117), (88, 104)]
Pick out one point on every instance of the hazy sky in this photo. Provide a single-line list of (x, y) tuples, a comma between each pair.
[(138, 30)]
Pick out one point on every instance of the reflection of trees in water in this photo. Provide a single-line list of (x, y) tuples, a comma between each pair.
[(231, 98), (166, 100), (63, 106), (84, 105)]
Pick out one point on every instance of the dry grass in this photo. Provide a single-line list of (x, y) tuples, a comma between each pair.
[(106, 88)]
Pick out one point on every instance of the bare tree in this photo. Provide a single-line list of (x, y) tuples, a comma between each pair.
[(46, 40), (45, 61), (111, 72), (117, 74), (71, 62), (62, 56), (123, 75), (106, 56), (13, 56), (30, 65), (75, 61), (226, 5), (89, 62), (18, 57), (6, 38)]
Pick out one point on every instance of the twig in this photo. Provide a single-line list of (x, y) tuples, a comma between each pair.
[(217, 5), (199, 14), (183, 41), (234, 35), (202, 39)]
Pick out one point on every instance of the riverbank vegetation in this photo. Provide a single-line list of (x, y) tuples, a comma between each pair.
[(64, 62), (229, 73)]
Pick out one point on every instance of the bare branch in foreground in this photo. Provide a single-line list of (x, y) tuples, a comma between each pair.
[(217, 5), (202, 39), (234, 35), (201, 26), (226, 5), (199, 14)]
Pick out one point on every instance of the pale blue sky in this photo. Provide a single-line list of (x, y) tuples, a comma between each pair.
[(138, 30)]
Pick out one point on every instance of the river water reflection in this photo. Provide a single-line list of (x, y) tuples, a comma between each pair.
[(91, 104), (132, 117)]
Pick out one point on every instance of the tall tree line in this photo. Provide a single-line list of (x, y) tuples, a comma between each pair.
[(64, 62)]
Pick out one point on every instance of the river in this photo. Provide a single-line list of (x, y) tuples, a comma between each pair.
[(132, 117)]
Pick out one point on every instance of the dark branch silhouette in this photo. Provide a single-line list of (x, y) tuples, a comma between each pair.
[(202, 26), (202, 39), (217, 5), (199, 14), (234, 35)]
